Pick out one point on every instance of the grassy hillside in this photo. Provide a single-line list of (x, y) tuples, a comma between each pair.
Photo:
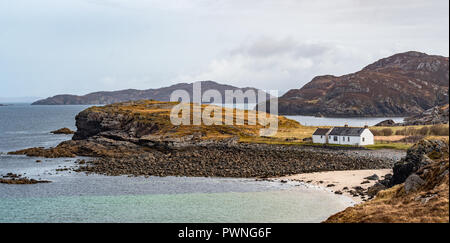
[(156, 115)]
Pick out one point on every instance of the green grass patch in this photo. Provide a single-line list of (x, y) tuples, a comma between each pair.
[(398, 146)]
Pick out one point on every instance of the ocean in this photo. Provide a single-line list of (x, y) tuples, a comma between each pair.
[(77, 197)]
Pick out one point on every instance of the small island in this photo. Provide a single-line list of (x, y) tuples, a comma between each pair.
[(64, 130)]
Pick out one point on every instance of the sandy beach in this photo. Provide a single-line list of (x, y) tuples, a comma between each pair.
[(342, 181)]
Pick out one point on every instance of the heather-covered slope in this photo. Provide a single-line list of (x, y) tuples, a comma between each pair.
[(161, 94), (401, 85)]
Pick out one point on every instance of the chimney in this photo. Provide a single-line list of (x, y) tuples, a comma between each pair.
[(366, 126), (346, 125)]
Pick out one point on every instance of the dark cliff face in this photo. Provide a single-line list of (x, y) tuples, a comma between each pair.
[(401, 85), (161, 94), (113, 123)]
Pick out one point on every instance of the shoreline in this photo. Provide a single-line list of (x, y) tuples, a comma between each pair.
[(341, 182), (226, 158)]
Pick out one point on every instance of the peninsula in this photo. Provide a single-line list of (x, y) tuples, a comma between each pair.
[(137, 138)]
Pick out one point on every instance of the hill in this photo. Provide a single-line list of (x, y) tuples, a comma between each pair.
[(401, 85), (161, 94)]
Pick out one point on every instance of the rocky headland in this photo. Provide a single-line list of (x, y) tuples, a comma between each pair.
[(418, 190), (137, 138), (404, 84)]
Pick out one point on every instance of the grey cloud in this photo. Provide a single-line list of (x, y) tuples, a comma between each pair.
[(265, 47), (80, 46)]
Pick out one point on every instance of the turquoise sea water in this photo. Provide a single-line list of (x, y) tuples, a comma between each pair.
[(265, 206), (77, 197)]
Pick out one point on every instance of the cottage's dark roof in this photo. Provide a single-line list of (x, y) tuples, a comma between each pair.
[(347, 131), (321, 131)]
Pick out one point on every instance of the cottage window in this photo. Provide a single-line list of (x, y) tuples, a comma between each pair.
[(363, 139), (320, 136), (335, 138), (348, 139)]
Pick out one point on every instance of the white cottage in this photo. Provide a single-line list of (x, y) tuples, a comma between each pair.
[(344, 136)]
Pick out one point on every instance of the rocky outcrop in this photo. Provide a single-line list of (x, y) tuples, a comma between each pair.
[(432, 116), (64, 130), (15, 179), (161, 94), (401, 85), (416, 157), (386, 123), (422, 196)]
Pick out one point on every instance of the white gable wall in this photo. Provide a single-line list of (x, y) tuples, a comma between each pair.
[(368, 137), (319, 138)]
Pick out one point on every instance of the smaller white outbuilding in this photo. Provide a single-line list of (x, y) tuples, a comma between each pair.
[(344, 136), (321, 135)]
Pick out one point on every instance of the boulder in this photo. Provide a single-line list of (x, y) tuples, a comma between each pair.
[(373, 177), (416, 157), (386, 123), (373, 190), (412, 183)]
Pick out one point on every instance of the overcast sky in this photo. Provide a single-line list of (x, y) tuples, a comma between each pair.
[(50, 47)]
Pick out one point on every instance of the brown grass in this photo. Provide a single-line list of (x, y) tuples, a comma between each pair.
[(156, 113), (423, 130), (430, 204)]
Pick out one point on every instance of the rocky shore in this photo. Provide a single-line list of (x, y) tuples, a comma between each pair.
[(356, 184), (239, 160), (226, 158)]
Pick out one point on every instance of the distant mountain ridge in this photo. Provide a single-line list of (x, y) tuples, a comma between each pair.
[(160, 94), (400, 85)]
